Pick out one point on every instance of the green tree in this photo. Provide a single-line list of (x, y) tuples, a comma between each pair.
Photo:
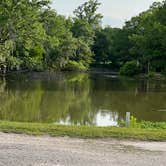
[(59, 45), (86, 22), (111, 47), (20, 27), (148, 39), (87, 12)]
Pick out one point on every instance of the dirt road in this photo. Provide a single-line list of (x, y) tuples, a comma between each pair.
[(22, 150)]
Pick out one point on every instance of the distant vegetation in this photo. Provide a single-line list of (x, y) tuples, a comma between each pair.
[(35, 37)]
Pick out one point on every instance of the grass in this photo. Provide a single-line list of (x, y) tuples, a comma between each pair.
[(148, 133)]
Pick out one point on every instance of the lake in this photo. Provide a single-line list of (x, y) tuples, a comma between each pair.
[(80, 98)]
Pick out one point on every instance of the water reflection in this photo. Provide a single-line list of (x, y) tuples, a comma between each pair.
[(80, 99)]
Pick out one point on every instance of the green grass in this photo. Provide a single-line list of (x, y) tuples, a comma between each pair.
[(83, 131)]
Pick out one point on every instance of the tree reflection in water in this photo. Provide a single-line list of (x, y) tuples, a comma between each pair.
[(80, 99)]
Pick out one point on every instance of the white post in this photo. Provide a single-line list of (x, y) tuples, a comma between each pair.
[(127, 119)]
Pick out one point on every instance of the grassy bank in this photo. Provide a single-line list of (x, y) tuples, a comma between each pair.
[(83, 131)]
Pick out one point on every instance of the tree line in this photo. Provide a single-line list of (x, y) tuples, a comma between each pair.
[(34, 37)]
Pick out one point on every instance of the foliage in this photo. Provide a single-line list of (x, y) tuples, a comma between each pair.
[(20, 28), (142, 39), (153, 125), (33, 36), (143, 124), (112, 45), (87, 12), (75, 66), (134, 123), (129, 68), (148, 39), (150, 75)]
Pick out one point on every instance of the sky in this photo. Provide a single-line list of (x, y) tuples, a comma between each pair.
[(115, 12)]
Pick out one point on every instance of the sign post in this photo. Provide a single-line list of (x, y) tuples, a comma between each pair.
[(127, 119)]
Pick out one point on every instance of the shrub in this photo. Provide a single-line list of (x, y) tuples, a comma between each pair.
[(163, 72), (153, 125), (75, 66), (33, 64), (150, 74), (130, 68), (133, 122)]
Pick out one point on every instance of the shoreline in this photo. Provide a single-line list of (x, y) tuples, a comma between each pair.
[(83, 131), (156, 76)]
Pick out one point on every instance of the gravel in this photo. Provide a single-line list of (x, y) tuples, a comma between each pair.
[(24, 150)]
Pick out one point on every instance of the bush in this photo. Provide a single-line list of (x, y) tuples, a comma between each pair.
[(33, 64), (153, 125), (134, 123), (75, 66), (130, 68), (163, 72), (150, 74)]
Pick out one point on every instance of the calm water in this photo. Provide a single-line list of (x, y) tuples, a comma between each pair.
[(86, 99)]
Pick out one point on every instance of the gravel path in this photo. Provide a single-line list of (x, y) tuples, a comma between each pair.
[(23, 150)]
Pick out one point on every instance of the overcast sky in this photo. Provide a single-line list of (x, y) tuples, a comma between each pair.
[(115, 12)]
